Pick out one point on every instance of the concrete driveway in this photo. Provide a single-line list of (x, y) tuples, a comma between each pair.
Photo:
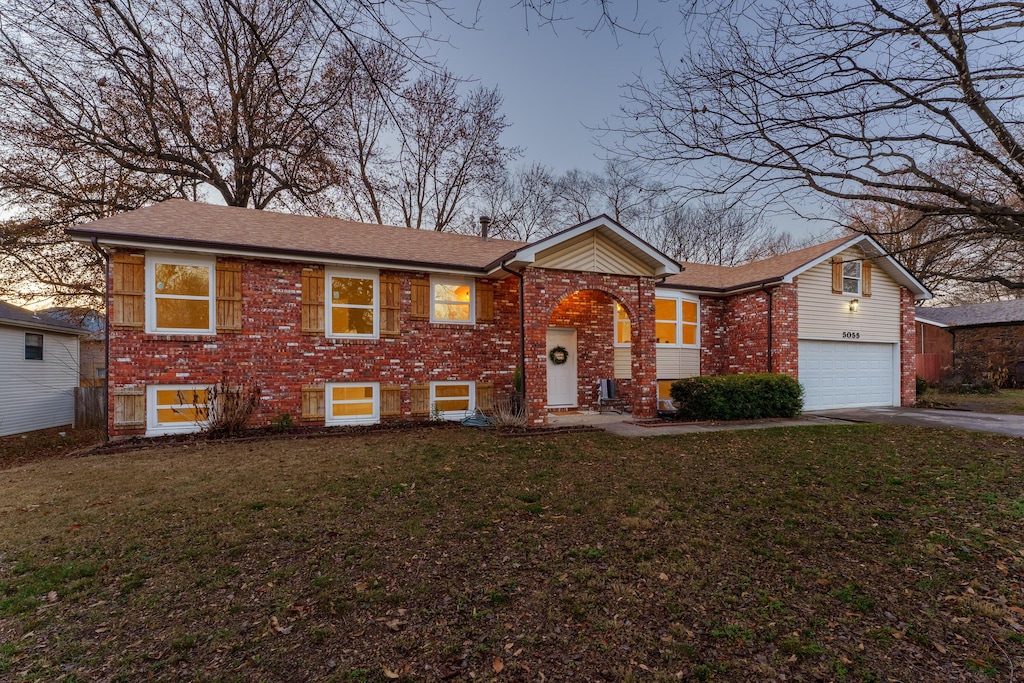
[(1011, 425)]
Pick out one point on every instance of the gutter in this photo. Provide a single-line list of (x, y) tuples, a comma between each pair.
[(94, 241), (522, 327)]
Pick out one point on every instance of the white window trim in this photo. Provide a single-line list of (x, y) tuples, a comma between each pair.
[(151, 260), (457, 282), (453, 415), (615, 322), (154, 428), (329, 417), (329, 301), (679, 298), (859, 278)]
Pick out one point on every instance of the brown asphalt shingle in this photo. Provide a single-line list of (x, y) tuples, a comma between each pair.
[(198, 224)]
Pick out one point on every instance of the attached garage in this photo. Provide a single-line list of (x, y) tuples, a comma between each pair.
[(848, 374)]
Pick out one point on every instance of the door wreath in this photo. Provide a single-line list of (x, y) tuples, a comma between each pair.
[(558, 355)]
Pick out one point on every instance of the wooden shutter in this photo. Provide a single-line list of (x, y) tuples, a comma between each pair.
[(485, 396), (129, 407), (420, 299), (390, 305), (420, 395), (837, 274), (312, 300), (229, 297), (865, 279), (128, 291), (313, 402), (391, 401), (484, 301)]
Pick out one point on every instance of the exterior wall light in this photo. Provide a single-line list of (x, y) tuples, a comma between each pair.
[(854, 305)]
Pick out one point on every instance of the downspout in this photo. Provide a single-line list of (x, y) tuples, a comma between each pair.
[(522, 326), (106, 324), (768, 293)]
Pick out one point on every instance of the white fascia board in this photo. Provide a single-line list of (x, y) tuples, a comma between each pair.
[(301, 258), (926, 321), (895, 270), (43, 327)]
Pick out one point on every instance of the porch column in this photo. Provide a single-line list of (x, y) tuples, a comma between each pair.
[(644, 351)]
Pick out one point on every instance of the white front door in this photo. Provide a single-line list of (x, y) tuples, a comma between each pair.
[(562, 390)]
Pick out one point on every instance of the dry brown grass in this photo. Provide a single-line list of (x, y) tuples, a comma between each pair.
[(842, 553)]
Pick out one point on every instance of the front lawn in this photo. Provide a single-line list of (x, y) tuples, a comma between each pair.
[(1004, 401), (853, 553)]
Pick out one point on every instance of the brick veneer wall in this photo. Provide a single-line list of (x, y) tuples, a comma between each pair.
[(272, 351), (545, 290), (734, 332), (908, 349), (999, 347)]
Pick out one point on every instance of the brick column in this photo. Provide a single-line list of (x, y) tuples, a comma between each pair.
[(908, 349)]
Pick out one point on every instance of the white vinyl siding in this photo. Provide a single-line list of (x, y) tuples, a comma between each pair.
[(677, 363), (623, 362), (592, 253), (37, 394), (826, 316)]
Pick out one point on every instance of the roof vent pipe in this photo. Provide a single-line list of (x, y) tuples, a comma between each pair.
[(485, 225)]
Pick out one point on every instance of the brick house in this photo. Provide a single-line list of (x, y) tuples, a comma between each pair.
[(347, 323), (988, 337)]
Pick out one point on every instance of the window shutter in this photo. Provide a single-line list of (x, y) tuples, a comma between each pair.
[(229, 297), (129, 408), (420, 399), (390, 305), (391, 401), (485, 396), (128, 290), (484, 301), (865, 279), (312, 301), (837, 274), (313, 402), (420, 299)]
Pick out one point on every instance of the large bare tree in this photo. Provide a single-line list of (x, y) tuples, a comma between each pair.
[(910, 103)]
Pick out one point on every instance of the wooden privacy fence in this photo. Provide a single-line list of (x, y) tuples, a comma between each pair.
[(934, 366), (90, 406)]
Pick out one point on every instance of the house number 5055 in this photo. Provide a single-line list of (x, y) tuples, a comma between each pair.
[(851, 335)]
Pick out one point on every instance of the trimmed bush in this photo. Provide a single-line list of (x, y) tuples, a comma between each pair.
[(738, 397)]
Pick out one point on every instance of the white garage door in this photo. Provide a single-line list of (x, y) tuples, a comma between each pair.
[(846, 374)]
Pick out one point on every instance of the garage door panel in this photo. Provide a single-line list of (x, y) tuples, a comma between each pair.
[(846, 374)]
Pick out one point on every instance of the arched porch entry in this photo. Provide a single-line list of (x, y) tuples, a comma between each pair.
[(577, 311)]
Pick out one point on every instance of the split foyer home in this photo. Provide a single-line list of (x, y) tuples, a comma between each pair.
[(347, 323)]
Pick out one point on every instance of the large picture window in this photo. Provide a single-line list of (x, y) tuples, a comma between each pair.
[(451, 300), (179, 295), (353, 403), (353, 302), (676, 321), (452, 400), (176, 408)]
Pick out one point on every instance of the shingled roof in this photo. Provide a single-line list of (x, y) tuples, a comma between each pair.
[(992, 313), (22, 317), (194, 224)]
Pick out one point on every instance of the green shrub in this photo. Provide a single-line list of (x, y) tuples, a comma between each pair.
[(738, 397), (921, 386)]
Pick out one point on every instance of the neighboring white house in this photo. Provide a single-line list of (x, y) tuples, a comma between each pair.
[(38, 370)]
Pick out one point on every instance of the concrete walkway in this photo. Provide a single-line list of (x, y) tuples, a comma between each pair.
[(1011, 425), (622, 425)]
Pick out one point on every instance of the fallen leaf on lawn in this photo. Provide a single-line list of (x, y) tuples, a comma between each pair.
[(276, 625), (394, 624), (663, 576), (52, 596), (391, 674), (361, 587), (498, 665), (939, 647)]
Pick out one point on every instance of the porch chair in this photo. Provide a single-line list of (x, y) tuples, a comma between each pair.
[(608, 396)]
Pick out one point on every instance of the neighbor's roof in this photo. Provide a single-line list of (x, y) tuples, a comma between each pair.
[(785, 267), (991, 313), (194, 224), (22, 317)]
